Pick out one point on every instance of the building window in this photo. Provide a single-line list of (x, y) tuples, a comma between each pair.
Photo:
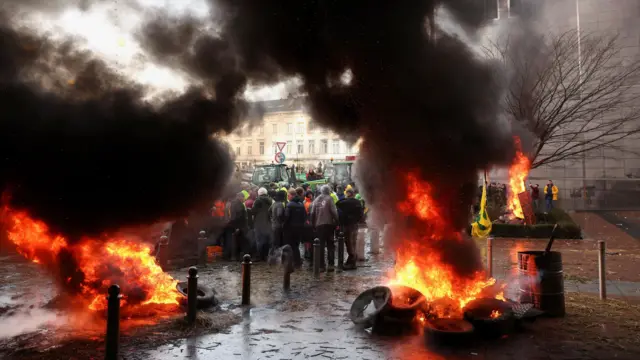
[(237, 150), (288, 148), (275, 129), (300, 128), (336, 146), (261, 130), (289, 128), (324, 146), (312, 147), (261, 149), (300, 147), (491, 9), (523, 8), (249, 150)]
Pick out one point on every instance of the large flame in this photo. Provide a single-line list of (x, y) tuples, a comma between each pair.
[(419, 264), (99, 263), (518, 172)]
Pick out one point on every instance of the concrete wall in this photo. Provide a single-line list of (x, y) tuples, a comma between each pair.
[(611, 177)]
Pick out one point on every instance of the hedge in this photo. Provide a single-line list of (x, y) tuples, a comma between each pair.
[(567, 228)]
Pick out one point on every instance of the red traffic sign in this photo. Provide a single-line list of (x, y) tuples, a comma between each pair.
[(279, 158), (281, 146)]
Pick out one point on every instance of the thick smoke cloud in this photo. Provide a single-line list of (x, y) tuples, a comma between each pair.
[(83, 152), (425, 106)]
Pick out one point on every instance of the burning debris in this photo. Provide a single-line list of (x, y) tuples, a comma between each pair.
[(87, 267)]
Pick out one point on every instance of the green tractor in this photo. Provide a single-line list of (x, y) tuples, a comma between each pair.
[(340, 173), (281, 174)]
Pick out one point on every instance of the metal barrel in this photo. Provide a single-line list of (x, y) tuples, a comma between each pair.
[(541, 281)]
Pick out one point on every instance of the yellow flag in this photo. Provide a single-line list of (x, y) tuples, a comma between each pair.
[(482, 226)]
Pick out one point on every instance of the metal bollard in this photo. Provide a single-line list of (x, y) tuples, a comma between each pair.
[(192, 295), (360, 246), (374, 239), (163, 254), (601, 269), (234, 245), (489, 256), (202, 247), (113, 323), (287, 254), (246, 279), (317, 257), (341, 250)]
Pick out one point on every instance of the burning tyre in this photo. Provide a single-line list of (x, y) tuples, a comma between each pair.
[(206, 295), (491, 318), (369, 305), (448, 332)]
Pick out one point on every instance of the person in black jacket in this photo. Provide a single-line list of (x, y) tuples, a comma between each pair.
[(262, 223), (351, 213), (295, 217), (239, 222)]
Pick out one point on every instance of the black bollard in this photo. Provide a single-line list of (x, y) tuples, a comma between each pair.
[(234, 245), (317, 257), (113, 323), (246, 279), (287, 257), (162, 256), (341, 251), (202, 247), (192, 295)]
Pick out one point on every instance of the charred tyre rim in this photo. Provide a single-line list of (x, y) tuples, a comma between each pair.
[(369, 305), (404, 303), (448, 332), (490, 317), (206, 295)]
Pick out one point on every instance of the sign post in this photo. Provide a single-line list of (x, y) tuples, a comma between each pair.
[(279, 158)]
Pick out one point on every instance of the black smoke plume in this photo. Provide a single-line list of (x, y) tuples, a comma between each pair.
[(82, 151), (425, 105)]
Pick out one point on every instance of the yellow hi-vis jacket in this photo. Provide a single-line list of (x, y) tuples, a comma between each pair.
[(554, 191)]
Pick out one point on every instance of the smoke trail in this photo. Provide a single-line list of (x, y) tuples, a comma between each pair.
[(83, 152), (421, 105)]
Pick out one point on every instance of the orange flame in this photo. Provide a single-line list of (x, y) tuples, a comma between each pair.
[(419, 267), (125, 262), (518, 172), (495, 314)]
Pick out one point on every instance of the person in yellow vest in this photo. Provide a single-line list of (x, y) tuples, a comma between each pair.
[(550, 194)]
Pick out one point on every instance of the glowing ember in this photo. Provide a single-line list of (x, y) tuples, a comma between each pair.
[(419, 264), (99, 263), (518, 172), (495, 314)]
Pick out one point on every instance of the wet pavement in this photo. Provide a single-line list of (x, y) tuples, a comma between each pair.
[(308, 322)]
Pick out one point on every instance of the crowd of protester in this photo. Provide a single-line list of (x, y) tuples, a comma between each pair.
[(259, 221)]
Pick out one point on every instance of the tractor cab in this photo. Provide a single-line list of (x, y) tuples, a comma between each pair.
[(339, 173), (281, 174)]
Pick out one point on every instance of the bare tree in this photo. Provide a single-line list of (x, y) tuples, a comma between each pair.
[(574, 91)]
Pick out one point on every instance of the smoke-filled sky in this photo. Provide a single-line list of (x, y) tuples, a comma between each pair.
[(84, 150)]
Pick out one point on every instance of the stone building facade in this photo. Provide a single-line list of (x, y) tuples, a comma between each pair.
[(286, 121)]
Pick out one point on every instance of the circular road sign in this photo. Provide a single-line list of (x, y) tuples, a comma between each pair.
[(279, 158)]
